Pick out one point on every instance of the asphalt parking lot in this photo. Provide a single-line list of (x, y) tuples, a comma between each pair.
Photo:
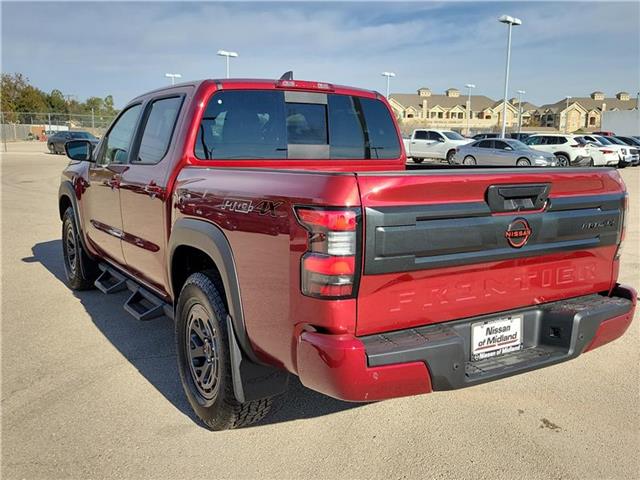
[(88, 392)]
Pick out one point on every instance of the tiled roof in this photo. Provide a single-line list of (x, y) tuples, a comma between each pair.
[(590, 104), (478, 102)]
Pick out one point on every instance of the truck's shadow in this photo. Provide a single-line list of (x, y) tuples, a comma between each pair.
[(149, 347)]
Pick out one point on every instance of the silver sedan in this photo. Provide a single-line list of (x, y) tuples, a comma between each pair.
[(502, 152)]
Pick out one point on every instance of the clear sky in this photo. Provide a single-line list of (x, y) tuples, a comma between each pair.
[(562, 48)]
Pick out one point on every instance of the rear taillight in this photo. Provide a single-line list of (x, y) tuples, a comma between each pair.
[(623, 226), (329, 268), (606, 152)]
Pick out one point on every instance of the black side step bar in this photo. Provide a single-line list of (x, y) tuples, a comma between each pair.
[(142, 304)]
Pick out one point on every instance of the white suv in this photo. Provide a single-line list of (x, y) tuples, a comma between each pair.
[(570, 149)]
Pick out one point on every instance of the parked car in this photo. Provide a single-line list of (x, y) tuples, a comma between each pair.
[(520, 136), (481, 136), (56, 142), (277, 224), (436, 144), (505, 152), (626, 155), (632, 142), (570, 152)]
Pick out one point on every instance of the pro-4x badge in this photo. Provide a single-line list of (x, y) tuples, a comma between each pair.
[(264, 207), (518, 233)]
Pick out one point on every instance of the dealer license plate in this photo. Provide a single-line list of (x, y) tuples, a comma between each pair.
[(496, 337)]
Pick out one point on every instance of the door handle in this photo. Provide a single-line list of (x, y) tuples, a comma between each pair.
[(113, 182), (152, 189)]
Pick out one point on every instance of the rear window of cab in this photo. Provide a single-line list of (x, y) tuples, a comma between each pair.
[(268, 124)]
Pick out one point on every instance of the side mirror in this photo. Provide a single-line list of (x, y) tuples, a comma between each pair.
[(508, 149), (80, 150)]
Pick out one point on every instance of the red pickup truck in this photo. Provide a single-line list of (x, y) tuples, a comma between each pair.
[(278, 224)]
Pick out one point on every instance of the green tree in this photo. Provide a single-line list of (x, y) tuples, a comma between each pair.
[(57, 102)]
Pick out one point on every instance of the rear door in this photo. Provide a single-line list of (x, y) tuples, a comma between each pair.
[(420, 144), (440, 246), (143, 190)]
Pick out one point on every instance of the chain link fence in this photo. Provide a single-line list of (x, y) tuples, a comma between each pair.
[(19, 126)]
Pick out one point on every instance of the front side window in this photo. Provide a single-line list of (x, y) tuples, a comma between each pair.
[(261, 124), (453, 135), (118, 141), (420, 135), (158, 129), (486, 144)]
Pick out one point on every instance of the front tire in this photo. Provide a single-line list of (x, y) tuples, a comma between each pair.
[(523, 162), (450, 155), (469, 161), (202, 345), (80, 270)]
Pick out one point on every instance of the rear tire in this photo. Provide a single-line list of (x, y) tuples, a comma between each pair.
[(469, 161), (80, 270), (450, 155), (523, 162), (563, 160), (202, 344)]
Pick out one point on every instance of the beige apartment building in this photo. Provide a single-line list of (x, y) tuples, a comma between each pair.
[(425, 109), (581, 113)]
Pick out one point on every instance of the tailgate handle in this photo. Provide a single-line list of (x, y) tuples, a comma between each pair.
[(515, 198)]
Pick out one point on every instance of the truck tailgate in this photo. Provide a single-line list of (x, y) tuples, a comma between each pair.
[(452, 244)]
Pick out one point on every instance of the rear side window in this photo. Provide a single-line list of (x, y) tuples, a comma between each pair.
[(158, 130), (243, 124), (485, 144), (250, 124)]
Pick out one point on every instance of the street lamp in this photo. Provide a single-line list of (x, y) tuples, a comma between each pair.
[(470, 86), (388, 75), (566, 113), (520, 93), (511, 21), (224, 53), (173, 77)]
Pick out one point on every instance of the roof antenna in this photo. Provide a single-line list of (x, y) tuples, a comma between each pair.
[(287, 75)]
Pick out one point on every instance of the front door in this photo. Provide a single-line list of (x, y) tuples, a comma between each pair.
[(103, 220)]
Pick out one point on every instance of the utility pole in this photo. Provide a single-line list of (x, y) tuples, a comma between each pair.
[(470, 86), (511, 21), (520, 93), (225, 53), (388, 75), (93, 119), (4, 131)]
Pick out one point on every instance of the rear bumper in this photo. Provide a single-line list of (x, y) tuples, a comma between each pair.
[(437, 357)]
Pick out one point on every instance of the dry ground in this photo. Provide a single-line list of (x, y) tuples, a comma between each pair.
[(88, 392)]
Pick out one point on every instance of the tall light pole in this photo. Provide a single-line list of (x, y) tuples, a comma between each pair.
[(511, 21), (470, 86), (520, 93), (225, 53), (566, 113), (173, 77), (388, 75)]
